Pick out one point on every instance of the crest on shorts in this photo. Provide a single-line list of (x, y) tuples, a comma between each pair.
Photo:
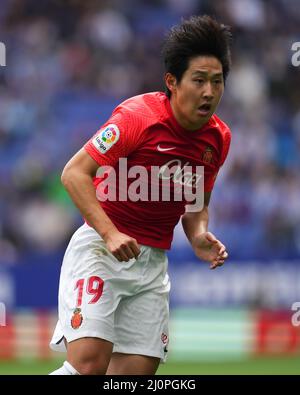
[(207, 155), (164, 338), (165, 341), (76, 319)]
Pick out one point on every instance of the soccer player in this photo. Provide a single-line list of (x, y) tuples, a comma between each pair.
[(114, 286)]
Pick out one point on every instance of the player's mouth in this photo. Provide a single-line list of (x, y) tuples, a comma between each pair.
[(204, 109)]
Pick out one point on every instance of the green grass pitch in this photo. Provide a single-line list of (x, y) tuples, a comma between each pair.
[(264, 366)]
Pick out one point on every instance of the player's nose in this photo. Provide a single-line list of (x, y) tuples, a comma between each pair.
[(208, 91)]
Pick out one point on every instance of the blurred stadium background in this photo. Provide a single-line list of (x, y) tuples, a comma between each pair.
[(68, 63)]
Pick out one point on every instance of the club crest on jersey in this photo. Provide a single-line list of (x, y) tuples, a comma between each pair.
[(106, 138), (207, 155), (76, 319)]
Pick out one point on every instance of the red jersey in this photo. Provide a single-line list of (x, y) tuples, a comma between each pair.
[(144, 130)]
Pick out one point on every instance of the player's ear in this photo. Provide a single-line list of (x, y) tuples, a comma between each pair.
[(171, 82)]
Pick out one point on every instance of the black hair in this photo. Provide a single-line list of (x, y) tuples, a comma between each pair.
[(196, 36)]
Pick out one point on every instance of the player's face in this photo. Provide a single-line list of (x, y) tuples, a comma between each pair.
[(195, 98)]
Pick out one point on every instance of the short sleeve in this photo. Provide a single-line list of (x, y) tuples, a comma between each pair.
[(117, 138), (210, 175), (209, 179), (226, 145)]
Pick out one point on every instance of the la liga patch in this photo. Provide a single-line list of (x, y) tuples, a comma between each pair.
[(106, 138)]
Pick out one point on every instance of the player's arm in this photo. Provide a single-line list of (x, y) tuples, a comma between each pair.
[(205, 245), (77, 178)]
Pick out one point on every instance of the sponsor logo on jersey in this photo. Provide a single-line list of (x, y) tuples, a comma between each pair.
[(179, 174), (76, 319), (106, 138)]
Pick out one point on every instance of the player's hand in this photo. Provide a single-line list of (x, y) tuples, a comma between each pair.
[(122, 246), (210, 249)]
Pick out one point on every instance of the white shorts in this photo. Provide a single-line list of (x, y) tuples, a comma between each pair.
[(126, 303)]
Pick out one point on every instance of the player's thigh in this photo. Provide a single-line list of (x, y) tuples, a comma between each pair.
[(130, 364), (89, 355)]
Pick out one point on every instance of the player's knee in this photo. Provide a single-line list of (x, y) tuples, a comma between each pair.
[(90, 356), (91, 367), (91, 363)]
